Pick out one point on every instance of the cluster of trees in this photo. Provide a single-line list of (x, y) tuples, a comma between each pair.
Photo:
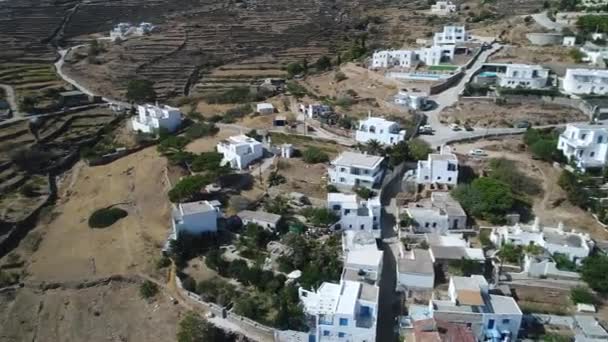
[(189, 187), (592, 23), (200, 130), (513, 253), (252, 240), (485, 198), (319, 261), (576, 186), (140, 91), (413, 150), (594, 272), (271, 293), (194, 328), (319, 217), (543, 144)]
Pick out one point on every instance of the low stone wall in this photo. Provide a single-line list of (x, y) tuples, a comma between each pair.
[(448, 83)]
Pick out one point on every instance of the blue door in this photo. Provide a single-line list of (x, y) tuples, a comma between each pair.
[(491, 324)]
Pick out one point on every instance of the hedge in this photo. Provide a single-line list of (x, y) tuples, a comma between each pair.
[(106, 217)]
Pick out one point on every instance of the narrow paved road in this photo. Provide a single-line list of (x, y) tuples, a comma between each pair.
[(543, 20)]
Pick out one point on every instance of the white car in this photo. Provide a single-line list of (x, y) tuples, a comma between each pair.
[(455, 127), (477, 153)]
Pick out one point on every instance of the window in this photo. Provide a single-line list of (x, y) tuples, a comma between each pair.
[(438, 177), (343, 322), (346, 211), (362, 226), (583, 136), (342, 169), (325, 332), (336, 207), (600, 139), (426, 225), (591, 154), (342, 180), (449, 179), (506, 321), (341, 334), (434, 224)]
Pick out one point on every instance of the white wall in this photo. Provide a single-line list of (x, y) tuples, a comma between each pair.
[(437, 172), (584, 81), (588, 148), (341, 175), (198, 223), (513, 324), (415, 281)]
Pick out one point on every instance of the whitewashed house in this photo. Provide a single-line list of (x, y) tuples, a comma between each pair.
[(411, 98), (569, 41), (490, 317), (355, 213), (439, 214), (415, 271), (594, 54), (264, 108), (443, 8), (439, 168), (584, 144), (123, 31), (383, 131), (263, 219), (347, 311), (524, 75), (436, 54), (364, 265), (351, 169), (575, 245), (195, 218), (451, 35), (393, 58), (586, 81), (150, 118), (239, 151)]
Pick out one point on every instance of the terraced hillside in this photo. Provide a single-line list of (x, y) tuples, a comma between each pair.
[(179, 56)]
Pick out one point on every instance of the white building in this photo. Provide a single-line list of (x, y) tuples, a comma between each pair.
[(443, 8), (569, 41), (151, 118), (364, 265), (316, 110), (411, 98), (451, 35), (588, 329), (490, 317), (576, 246), (594, 54), (524, 75), (586, 145), (264, 108), (379, 129), (123, 31), (436, 54), (195, 218), (347, 311), (266, 220), (239, 151), (415, 271), (393, 58), (445, 249), (439, 168), (586, 81), (351, 169), (355, 213), (439, 214)]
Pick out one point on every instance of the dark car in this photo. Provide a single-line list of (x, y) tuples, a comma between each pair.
[(522, 124)]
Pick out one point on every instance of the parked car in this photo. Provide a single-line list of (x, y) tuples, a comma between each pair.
[(426, 129), (477, 153), (522, 124), (455, 127), (468, 128)]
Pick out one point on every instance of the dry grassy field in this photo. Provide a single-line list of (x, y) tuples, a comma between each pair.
[(113, 312), (71, 250)]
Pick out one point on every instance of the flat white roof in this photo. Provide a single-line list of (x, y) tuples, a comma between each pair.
[(366, 161), (587, 72), (377, 121), (367, 257), (265, 106), (195, 207), (504, 305), (259, 216), (241, 139), (348, 297)]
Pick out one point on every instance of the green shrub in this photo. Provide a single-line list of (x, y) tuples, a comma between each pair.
[(340, 76), (485, 198), (314, 155), (188, 187), (106, 217), (594, 271), (163, 262), (364, 193), (148, 289), (582, 295), (321, 217), (140, 91), (199, 130)]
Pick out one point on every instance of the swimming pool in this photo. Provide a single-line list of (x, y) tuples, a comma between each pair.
[(487, 74)]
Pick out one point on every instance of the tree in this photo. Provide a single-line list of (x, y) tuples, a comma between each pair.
[(399, 153), (28, 103), (374, 147), (140, 91), (148, 289), (364, 193), (275, 178), (485, 198), (576, 55), (193, 328), (294, 69), (209, 162), (545, 150), (320, 217), (188, 187), (323, 63), (201, 129), (419, 149), (510, 253), (594, 271), (278, 205), (314, 155)]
